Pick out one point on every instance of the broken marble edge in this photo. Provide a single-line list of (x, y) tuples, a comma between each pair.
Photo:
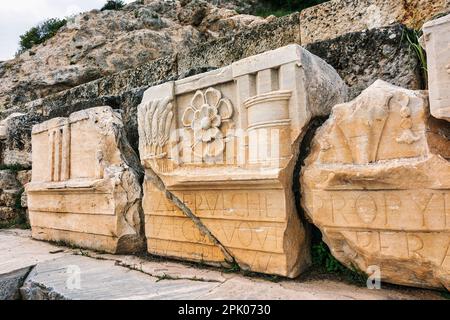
[(72, 118)]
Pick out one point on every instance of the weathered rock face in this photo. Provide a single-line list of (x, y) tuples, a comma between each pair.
[(85, 187), (338, 17), (437, 42), (99, 43), (10, 193), (361, 58), (377, 185), (219, 150)]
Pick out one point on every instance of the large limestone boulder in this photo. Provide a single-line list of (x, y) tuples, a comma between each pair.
[(98, 43), (437, 42), (377, 185), (219, 151), (85, 188), (337, 17)]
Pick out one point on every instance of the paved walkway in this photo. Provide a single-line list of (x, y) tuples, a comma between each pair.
[(45, 271)]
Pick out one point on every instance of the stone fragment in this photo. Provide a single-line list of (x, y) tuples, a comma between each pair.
[(219, 151), (378, 189), (338, 17), (85, 187), (23, 176), (7, 214), (437, 42), (4, 125), (15, 148)]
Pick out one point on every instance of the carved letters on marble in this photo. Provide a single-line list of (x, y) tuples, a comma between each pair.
[(232, 150), (377, 192)]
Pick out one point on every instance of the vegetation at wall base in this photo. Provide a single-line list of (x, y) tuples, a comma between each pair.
[(324, 262), (40, 33), (113, 5)]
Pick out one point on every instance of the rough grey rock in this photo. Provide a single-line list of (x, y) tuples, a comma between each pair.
[(10, 283), (10, 191), (361, 58), (98, 43), (8, 180)]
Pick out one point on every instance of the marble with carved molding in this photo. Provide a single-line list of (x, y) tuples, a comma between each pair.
[(233, 143)]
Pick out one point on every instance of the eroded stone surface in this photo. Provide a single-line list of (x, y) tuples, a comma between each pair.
[(338, 17), (219, 150), (377, 185), (85, 187), (437, 41), (98, 43)]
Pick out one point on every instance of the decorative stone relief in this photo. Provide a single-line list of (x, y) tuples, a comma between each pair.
[(204, 117), (85, 187), (223, 191), (437, 43), (377, 185)]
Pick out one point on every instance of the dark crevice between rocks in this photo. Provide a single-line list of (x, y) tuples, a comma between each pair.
[(312, 232), (324, 264), (305, 148)]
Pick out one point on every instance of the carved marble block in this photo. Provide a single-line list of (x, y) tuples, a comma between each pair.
[(219, 150), (437, 42), (377, 184), (85, 187)]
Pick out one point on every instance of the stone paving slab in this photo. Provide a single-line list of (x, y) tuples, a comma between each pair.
[(62, 273)]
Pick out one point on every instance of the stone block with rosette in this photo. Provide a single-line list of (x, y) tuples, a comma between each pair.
[(220, 149)]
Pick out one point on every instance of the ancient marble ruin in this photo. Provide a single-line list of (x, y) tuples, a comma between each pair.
[(437, 43), (85, 188), (377, 185), (231, 152), (219, 151)]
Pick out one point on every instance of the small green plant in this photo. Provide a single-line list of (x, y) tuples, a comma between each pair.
[(324, 261), (233, 268), (412, 37), (446, 295), (18, 200), (113, 5), (40, 33)]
